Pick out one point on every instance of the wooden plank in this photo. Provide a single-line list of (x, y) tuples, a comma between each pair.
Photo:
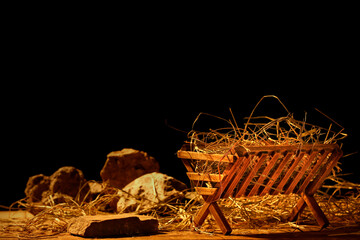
[(201, 215), (301, 173), (297, 210), (238, 173), (220, 218), (250, 176), (229, 177), (206, 156), (187, 165), (316, 184), (264, 174), (276, 174), (311, 175), (316, 210), (289, 172), (205, 190), (205, 177)]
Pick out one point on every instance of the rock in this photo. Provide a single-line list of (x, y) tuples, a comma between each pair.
[(149, 190), (69, 181), (113, 225), (96, 188), (122, 167), (35, 187), (63, 184)]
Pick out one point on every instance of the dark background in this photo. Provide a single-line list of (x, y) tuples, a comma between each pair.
[(76, 92)]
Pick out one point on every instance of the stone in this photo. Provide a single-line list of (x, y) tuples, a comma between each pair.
[(96, 188), (122, 167), (149, 190), (65, 183), (36, 186), (70, 181), (113, 225)]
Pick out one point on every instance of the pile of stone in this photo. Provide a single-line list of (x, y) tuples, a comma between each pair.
[(139, 186)]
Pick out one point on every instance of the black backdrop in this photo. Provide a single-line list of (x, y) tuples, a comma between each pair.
[(73, 93)]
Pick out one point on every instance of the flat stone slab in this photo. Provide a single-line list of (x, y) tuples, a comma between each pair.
[(113, 225)]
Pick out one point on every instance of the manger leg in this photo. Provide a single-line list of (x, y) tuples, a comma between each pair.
[(297, 210), (316, 210), (202, 214), (220, 218)]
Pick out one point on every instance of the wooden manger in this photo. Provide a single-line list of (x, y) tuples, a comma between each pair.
[(260, 170)]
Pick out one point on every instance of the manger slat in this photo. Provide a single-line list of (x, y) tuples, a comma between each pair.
[(301, 173), (205, 190), (187, 165), (229, 177), (229, 173), (276, 174), (250, 176), (319, 162), (316, 183), (205, 156), (205, 177), (238, 172), (289, 172), (264, 174)]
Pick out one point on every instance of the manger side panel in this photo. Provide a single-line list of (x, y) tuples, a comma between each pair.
[(320, 161), (237, 174), (288, 174), (250, 176), (316, 184), (264, 175), (276, 174), (301, 173), (229, 178)]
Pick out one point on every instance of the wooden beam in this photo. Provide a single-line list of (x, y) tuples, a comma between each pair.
[(245, 183), (205, 156), (220, 218), (276, 174), (205, 177), (316, 210), (205, 191), (264, 174), (301, 172)]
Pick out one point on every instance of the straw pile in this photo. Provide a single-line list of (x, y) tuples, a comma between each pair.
[(258, 131), (263, 130), (267, 212)]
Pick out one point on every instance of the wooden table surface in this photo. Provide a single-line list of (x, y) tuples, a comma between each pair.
[(307, 232)]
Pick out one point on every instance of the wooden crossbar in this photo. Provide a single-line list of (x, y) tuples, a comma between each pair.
[(262, 170)]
